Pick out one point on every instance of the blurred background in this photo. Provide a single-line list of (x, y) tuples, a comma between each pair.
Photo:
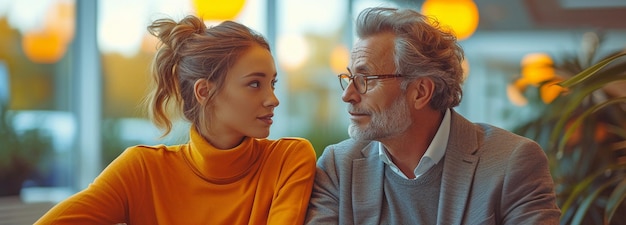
[(73, 72)]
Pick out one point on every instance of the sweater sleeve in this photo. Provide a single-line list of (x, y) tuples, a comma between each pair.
[(104, 201), (294, 184)]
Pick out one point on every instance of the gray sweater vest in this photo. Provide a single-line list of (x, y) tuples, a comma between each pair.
[(411, 201)]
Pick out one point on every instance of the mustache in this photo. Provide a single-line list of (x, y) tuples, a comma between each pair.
[(353, 109)]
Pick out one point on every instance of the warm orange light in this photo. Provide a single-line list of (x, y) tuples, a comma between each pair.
[(460, 15), (515, 92), (218, 9), (537, 68), (600, 134), (62, 19), (43, 47), (49, 44), (149, 43), (550, 91), (339, 59)]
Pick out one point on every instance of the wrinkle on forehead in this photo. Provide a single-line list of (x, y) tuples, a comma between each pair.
[(360, 62), (373, 54)]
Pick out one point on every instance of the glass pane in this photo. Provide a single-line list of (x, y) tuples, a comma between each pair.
[(312, 48), (37, 127)]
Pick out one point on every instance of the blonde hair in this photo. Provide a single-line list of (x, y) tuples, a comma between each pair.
[(189, 51)]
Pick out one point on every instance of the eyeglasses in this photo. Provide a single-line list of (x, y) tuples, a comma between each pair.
[(360, 81)]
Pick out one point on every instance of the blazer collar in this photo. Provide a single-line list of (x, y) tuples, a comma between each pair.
[(367, 196), (459, 166)]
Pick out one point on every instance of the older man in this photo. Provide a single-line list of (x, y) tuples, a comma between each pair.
[(411, 158)]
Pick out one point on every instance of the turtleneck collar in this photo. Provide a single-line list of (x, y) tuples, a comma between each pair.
[(221, 166)]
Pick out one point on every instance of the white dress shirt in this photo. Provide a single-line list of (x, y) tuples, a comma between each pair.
[(431, 157)]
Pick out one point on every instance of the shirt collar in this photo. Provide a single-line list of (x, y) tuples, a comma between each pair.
[(434, 153)]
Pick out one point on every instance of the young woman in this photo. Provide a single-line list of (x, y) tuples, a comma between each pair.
[(222, 80)]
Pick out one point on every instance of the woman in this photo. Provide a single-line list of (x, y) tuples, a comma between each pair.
[(222, 80)]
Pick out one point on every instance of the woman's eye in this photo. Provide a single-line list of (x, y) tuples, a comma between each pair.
[(254, 84), (274, 83)]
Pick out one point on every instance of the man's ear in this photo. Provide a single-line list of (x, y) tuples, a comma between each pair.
[(421, 92), (202, 89)]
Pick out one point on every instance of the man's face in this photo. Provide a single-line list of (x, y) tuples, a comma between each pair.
[(383, 110)]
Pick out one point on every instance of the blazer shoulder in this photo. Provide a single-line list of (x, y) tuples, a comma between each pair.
[(350, 148), (489, 131), (497, 138)]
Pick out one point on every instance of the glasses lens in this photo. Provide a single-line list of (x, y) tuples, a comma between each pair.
[(360, 83), (344, 81)]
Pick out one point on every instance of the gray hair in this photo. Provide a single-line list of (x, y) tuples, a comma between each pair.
[(422, 49)]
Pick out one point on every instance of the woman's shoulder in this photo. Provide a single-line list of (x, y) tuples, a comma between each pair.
[(153, 150), (289, 144), (289, 141)]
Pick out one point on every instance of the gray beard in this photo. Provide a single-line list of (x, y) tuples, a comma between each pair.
[(385, 124)]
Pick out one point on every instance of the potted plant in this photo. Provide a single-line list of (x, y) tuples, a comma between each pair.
[(20, 153), (582, 127)]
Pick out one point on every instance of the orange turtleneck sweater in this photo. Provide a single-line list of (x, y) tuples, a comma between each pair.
[(258, 182)]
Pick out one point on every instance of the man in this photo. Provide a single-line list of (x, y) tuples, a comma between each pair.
[(411, 158)]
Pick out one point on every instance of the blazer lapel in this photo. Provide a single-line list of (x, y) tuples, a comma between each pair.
[(458, 171), (367, 185)]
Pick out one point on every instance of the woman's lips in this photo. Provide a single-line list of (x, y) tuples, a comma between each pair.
[(267, 119)]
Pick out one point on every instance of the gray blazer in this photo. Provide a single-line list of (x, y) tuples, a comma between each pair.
[(490, 176)]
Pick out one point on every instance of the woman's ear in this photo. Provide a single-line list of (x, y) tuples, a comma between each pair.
[(421, 90), (201, 89)]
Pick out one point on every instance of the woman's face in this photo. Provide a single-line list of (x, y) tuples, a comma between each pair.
[(245, 105)]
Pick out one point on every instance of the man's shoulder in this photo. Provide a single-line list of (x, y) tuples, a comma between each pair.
[(350, 148), (491, 131), (498, 141)]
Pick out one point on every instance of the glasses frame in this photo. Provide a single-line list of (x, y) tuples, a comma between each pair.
[(365, 78)]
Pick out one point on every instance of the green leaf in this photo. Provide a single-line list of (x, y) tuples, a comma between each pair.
[(591, 71), (575, 101), (617, 130), (615, 200), (570, 131), (584, 206), (585, 185)]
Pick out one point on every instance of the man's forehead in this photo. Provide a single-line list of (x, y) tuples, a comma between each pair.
[(372, 53)]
